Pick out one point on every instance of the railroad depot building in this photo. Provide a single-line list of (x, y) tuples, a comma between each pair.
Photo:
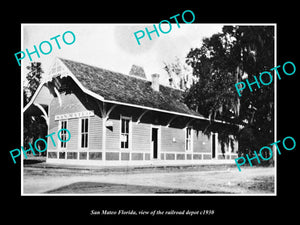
[(118, 119)]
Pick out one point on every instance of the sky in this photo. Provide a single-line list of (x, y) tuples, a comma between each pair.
[(114, 47)]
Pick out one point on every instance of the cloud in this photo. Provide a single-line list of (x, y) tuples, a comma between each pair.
[(125, 39), (114, 47)]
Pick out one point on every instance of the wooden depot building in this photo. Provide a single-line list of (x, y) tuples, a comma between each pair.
[(118, 119)]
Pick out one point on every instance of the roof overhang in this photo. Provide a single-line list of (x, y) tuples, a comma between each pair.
[(65, 72)]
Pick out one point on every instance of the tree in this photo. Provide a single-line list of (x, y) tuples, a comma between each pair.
[(34, 126), (33, 79), (214, 95), (180, 74), (237, 53)]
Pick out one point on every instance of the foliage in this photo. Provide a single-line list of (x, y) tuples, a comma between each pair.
[(34, 126), (33, 78), (180, 74), (238, 52)]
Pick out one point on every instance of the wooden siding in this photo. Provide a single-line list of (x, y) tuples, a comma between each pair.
[(167, 143), (113, 136), (228, 148), (95, 133), (72, 126), (201, 142), (141, 137), (53, 126), (70, 104), (172, 139)]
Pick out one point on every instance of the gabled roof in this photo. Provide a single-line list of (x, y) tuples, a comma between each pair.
[(117, 87)]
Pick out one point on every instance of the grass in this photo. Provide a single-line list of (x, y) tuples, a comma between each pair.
[(96, 187), (201, 179), (264, 183)]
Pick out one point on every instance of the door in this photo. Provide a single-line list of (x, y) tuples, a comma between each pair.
[(154, 142), (214, 145)]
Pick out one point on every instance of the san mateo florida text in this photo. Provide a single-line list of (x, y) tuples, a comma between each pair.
[(61, 134), (155, 212)]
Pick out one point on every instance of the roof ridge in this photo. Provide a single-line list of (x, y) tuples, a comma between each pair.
[(133, 76), (124, 89), (109, 70)]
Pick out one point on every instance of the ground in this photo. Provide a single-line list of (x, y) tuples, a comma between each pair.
[(43, 178)]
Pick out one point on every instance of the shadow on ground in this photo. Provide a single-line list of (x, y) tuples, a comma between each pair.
[(263, 183), (34, 161), (109, 188)]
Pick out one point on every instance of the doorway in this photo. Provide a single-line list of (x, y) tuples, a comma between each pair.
[(213, 145), (154, 143)]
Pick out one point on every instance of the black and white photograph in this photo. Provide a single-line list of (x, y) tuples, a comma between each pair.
[(159, 116), (180, 113)]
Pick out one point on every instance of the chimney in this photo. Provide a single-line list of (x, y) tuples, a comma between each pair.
[(155, 82)]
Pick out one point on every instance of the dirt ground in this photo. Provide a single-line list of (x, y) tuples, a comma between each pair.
[(223, 179)]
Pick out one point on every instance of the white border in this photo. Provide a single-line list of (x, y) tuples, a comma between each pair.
[(275, 108)]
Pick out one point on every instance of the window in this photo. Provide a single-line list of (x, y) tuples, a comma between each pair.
[(63, 134), (125, 132), (84, 132), (188, 139)]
